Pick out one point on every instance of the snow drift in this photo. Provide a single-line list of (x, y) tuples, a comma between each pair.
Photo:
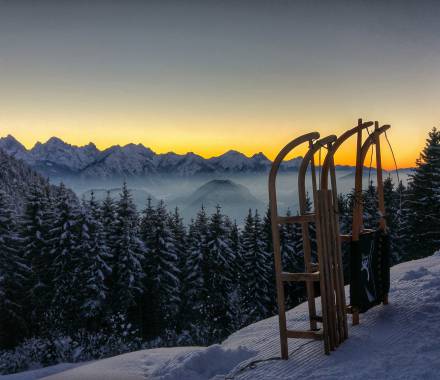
[(397, 341)]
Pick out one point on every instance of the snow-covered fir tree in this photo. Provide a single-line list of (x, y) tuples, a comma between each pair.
[(34, 228), (345, 213), (291, 259), (161, 266), (256, 272), (64, 244), (191, 308), (108, 220), (423, 200), (395, 219), (178, 237), (128, 255), (267, 239), (217, 279), (13, 272), (370, 207), (243, 290), (95, 267), (402, 222), (238, 270)]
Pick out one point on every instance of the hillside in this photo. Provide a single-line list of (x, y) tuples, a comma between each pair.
[(398, 341), (16, 178)]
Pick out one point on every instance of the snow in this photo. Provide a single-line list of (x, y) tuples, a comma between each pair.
[(42, 372), (396, 341), (192, 365)]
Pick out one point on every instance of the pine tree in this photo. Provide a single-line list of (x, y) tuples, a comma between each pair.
[(128, 256), (267, 238), (394, 219), (370, 207), (257, 274), (34, 229), (162, 269), (292, 259), (12, 275), (149, 319), (192, 278), (179, 238), (64, 243), (288, 245), (423, 200), (217, 279), (178, 233), (245, 260), (237, 271), (402, 223), (94, 262), (345, 216), (108, 219)]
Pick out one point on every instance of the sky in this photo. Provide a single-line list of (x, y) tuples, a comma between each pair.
[(209, 76)]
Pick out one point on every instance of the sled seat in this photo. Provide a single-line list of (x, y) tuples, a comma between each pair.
[(300, 277), (306, 218), (300, 334)]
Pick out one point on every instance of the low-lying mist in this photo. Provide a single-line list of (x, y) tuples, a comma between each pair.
[(235, 193)]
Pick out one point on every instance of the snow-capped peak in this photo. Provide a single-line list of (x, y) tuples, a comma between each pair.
[(12, 146), (260, 157)]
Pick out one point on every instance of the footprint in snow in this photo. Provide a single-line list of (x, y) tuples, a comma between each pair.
[(415, 274)]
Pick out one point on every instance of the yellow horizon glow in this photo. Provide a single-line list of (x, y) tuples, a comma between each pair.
[(208, 143)]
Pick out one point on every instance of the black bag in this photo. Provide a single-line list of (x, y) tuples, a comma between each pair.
[(369, 270)]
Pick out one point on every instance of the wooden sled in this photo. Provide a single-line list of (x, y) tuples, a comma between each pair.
[(359, 235), (328, 270)]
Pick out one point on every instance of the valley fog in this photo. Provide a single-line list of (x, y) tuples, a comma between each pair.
[(235, 193)]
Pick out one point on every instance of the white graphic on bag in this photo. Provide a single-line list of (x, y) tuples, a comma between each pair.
[(366, 269)]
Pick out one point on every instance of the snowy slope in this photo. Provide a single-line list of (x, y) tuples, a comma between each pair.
[(398, 341)]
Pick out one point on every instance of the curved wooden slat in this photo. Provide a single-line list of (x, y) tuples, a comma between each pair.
[(371, 140), (358, 207), (307, 159), (335, 146), (379, 181)]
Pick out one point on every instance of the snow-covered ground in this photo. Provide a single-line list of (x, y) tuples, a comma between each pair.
[(397, 341)]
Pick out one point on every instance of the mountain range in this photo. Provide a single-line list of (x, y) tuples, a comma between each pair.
[(58, 159)]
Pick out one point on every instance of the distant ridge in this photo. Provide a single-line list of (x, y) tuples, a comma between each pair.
[(235, 199), (58, 159)]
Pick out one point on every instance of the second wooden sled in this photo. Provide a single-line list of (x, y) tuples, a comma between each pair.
[(368, 247)]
